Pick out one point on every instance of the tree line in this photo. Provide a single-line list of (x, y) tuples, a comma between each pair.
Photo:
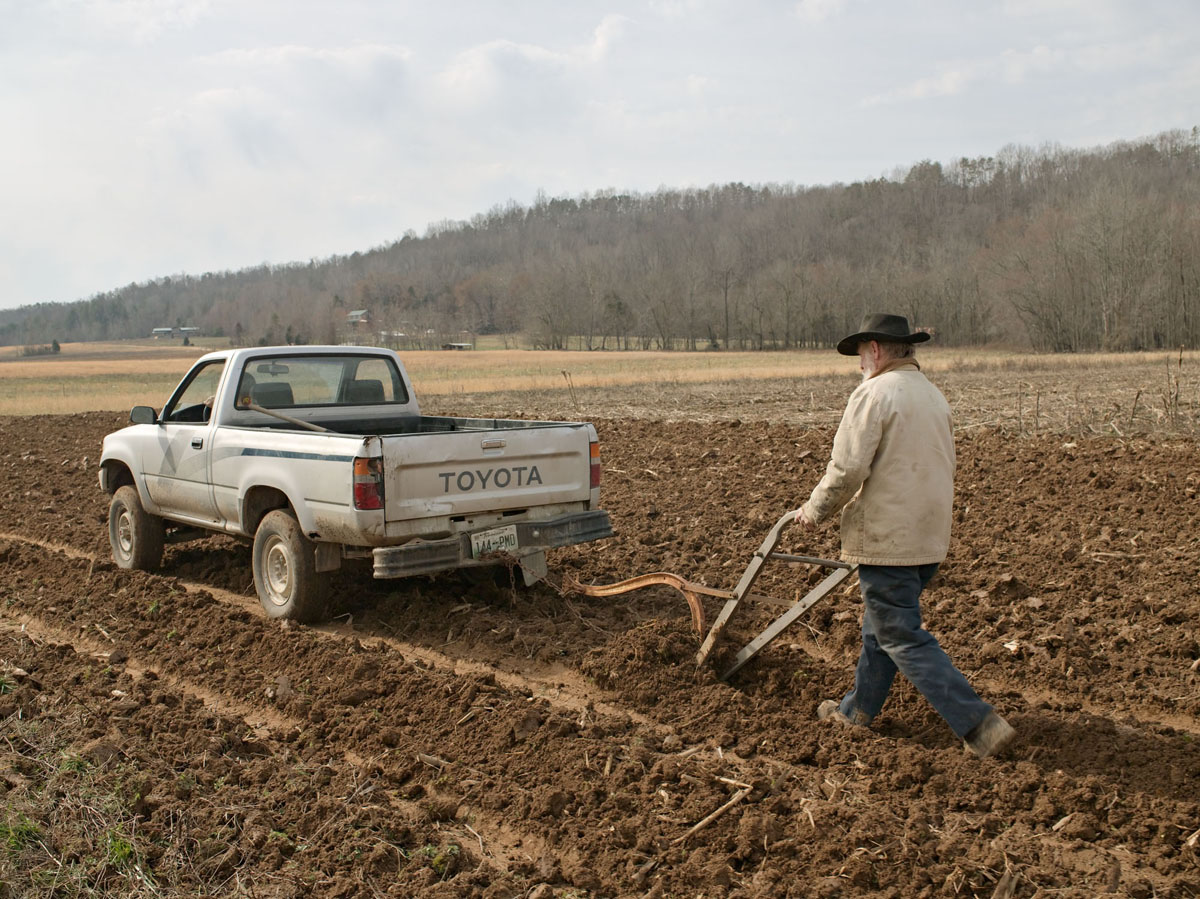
[(1049, 248)]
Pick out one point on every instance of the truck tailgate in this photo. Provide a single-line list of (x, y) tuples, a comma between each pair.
[(463, 472)]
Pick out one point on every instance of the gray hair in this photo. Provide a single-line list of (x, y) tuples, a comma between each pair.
[(894, 349)]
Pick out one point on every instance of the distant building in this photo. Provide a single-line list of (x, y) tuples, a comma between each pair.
[(353, 331), (185, 331)]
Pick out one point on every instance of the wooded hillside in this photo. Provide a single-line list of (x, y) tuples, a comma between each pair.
[(1051, 248)]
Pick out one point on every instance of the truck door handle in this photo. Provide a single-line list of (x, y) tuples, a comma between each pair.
[(492, 443), (197, 443)]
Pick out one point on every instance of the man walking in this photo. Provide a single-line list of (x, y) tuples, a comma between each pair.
[(892, 476)]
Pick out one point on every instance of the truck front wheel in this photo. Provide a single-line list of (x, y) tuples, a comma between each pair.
[(136, 535), (285, 572)]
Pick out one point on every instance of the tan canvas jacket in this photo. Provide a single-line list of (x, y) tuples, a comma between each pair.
[(891, 472)]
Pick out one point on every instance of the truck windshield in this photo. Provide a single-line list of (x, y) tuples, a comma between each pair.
[(282, 381)]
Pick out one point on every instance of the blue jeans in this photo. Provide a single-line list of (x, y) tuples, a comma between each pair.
[(893, 640)]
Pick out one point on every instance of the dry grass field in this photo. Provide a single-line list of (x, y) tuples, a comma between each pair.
[(1109, 393)]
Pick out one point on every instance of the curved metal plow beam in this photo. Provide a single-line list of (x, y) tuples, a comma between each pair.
[(691, 592)]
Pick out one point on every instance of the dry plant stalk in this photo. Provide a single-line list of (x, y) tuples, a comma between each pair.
[(704, 822), (571, 388)]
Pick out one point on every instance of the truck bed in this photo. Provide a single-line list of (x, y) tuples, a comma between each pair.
[(393, 426)]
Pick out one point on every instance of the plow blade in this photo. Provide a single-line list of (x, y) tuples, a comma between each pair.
[(691, 592)]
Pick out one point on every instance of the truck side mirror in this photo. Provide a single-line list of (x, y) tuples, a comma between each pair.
[(143, 415)]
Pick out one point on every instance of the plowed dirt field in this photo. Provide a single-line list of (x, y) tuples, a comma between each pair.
[(160, 737)]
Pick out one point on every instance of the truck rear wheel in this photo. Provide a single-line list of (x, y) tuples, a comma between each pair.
[(136, 536), (285, 572)]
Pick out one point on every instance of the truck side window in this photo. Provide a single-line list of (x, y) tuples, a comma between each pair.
[(192, 401), (245, 391)]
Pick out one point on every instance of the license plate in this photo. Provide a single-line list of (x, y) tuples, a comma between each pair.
[(495, 540)]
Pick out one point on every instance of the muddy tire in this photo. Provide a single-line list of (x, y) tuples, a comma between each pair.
[(285, 573), (136, 536)]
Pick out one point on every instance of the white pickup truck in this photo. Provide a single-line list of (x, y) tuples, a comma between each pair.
[(321, 454)]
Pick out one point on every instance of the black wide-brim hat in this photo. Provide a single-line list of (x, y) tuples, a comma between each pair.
[(880, 326)]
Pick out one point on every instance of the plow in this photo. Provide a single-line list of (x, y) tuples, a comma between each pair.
[(693, 593)]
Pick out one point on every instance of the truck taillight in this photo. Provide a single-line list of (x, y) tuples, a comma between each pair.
[(368, 482), (594, 450)]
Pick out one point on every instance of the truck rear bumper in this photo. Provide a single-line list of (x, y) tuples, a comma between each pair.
[(426, 557)]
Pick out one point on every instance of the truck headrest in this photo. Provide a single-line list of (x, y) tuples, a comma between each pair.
[(272, 394), (364, 391)]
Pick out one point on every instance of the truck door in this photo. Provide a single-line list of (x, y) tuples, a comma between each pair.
[(176, 462)]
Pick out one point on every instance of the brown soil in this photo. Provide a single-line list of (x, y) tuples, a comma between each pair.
[(447, 738)]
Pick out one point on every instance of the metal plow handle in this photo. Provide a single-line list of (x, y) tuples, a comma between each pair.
[(784, 621), (691, 592), (743, 587)]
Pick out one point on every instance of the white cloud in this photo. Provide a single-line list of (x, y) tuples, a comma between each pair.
[(1035, 65), (478, 75), (362, 80), (819, 10), (605, 37), (358, 58), (1081, 9), (483, 73), (273, 108), (216, 130), (698, 85), (946, 83), (526, 87), (1124, 55), (677, 9), (138, 20), (1108, 57), (1017, 66)]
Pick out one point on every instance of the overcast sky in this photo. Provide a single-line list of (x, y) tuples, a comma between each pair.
[(141, 138)]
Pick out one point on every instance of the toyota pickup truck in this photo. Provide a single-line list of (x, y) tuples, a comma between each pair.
[(320, 454)]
